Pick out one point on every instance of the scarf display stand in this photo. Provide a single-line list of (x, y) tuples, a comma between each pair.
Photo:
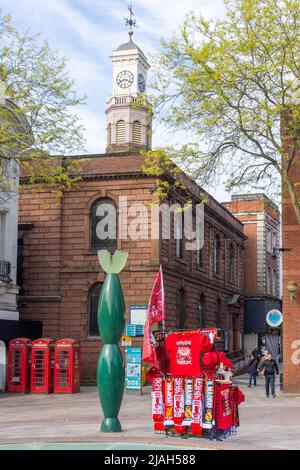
[(203, 402)]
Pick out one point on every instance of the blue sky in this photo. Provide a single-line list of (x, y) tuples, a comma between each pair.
[(86, 32)]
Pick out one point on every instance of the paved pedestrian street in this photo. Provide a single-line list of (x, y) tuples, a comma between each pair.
[(73, 421)]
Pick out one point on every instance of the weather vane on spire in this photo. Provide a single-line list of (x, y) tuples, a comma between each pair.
[(131, 22)]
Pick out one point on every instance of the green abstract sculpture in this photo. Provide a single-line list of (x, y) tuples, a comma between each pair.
[(110, 370)]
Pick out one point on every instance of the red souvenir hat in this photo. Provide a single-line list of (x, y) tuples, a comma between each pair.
[(222, 357), (228, 364), (210, 359), (206, 344)]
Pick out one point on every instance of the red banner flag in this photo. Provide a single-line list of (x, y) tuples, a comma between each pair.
[(156, 306), (156, 312), (149, 344)]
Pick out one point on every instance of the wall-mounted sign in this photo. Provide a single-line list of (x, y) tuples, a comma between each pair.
[(274, 318), (134, 330), (126, 341), (134, 368), (137, 314)]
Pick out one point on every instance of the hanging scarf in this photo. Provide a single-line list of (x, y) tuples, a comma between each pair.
[(157, 404), (169, 403), (178, 400), (196, 425), (207, 418), (188, 401)]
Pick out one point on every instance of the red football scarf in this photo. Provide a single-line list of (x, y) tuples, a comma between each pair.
[(188, 400), (178, 400), (196, 425), (169, 407), (208, 404), (157, 404)]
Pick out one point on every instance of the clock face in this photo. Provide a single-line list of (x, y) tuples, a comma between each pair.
[(124, 79), (141, 82)]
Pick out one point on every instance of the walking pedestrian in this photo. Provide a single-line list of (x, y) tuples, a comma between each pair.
[(252, 370), (269, 368), (257, 354)]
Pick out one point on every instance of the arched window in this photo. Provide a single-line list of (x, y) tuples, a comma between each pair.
[(217, 255), (109, 134), (137, 133), (93, 299), (231, 262), (180, 307), (103, 221), (120, 130), (201, 311), (218, 313)]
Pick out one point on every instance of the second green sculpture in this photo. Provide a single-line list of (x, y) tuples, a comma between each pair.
[(111, 309)]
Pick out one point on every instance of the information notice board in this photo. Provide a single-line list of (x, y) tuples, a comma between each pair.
[(134, 368)]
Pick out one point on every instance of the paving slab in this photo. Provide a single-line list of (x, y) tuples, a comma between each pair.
[(41, 420)]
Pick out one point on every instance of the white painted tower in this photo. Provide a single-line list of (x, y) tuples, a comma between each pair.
[(128, 115)]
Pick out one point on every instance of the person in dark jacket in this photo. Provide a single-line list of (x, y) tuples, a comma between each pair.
[(252, 370), (270, 368), (257, 354)]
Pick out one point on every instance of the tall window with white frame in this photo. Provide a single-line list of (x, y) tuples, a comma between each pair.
[(269, 239), (274, 282), (274, 240), (178, 233), (269, 281), (217, 255)]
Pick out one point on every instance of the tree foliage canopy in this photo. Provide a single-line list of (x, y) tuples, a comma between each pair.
[(36, 111), (228, 82)]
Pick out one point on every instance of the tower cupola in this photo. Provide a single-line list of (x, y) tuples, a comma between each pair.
[(127, 113)]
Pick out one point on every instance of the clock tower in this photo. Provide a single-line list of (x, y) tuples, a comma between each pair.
[(128, 115)]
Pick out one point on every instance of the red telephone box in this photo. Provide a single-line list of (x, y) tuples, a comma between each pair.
[(67, 366), (42, 365), (19, 354)]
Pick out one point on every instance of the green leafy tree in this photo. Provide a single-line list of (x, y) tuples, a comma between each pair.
[(36, 113), (229, 82)]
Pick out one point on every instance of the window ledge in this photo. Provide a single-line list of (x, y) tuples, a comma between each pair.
[(93, 338)]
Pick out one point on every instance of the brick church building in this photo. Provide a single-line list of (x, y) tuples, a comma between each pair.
[(59, 272)]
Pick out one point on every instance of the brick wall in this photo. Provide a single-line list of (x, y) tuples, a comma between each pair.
[(291, 272), (257, 213), (59, 266)]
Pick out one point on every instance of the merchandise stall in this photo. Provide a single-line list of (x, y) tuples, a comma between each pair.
[(192, 389)]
